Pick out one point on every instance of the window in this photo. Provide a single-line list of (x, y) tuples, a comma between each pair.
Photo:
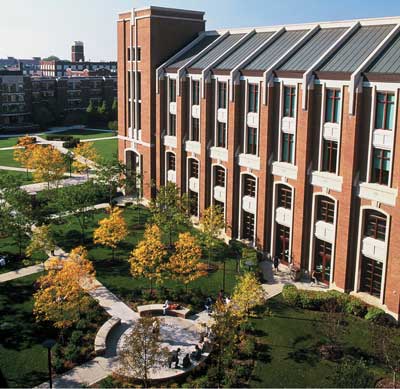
[(171, 161), (282, 243), (139, 86), (253, 98), (129, 114), (322, 260), (172, 125), (371, 276), (138, 53), (251, 145), (172, 90), (195, 130), (222, 95), (193, 202), (219, 204), (380, 166), (287, 148), (284, 197), (375, 225), (289, 101), (128, 53), (384, 111), (332, 108), (249, 186), (131, 54), (195, 92), (139, 116), (221, 135), (193, 168), (325, 209), (329, 156), (248, 226), (219, 176)]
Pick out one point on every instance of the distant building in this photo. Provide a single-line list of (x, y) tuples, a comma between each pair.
[(58, 68), (77, 52), (29, 67)]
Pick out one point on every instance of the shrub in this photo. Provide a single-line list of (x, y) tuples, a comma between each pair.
[(70, 144), (71, 352), (355, 307), (375, 315), (76, 337), (290, 294), (352, 373)]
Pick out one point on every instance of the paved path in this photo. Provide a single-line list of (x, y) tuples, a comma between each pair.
[(25, 271), (40, 186), (16, 169)]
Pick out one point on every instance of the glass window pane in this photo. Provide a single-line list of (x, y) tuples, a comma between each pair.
[(379, 110)]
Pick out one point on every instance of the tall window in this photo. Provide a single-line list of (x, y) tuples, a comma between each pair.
[(251, 144), (253, 98), (322, 260), (195, 130), (287, 148), (193, 168), (221, 135), (249, 186), (384, 113), (172, 125), (139, 116), (289, 101), (375, 225), (325, 209), (219, 176), (248, 226), (195, 92), (282, 243), (332, 109), (171, 161), (284, 197), (172, 90), (193, 203), (139, 86), (222, 95), (329, 156), (380, 166)]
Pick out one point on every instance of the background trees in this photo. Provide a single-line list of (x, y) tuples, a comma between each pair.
[(85, 156), (41, 240), (111, 174), (23, 151)]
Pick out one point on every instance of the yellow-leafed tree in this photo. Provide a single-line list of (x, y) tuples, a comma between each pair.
[(41, 240), (61, 297), (147, 259), (85, 155), (23, 151), (248, 294), (49, 164), (112, 230), (184, 265)]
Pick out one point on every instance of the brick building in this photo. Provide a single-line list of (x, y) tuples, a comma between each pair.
[(60, 68), (290, 129)]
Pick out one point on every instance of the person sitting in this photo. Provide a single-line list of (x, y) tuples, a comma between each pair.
[(196, 354), (186, 362), (314, 278), (165, 307), (208, 304)]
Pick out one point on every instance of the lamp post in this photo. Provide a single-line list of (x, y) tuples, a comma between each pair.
[(49, 343)]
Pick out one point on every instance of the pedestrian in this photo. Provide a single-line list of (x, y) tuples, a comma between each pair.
[(165, 307), (208, 304), (276, 263), (186, 361), (314, 279)]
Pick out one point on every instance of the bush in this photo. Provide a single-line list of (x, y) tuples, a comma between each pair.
[(355, 307), (71, 144), (352, 373), (76, 337), (72, 352), (375, 315)]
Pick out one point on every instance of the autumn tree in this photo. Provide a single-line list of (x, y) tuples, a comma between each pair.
[(23, 151), (169, 210), (48, 164), (85, 156), (41, 240), (248, 294), (147, 259), (142, 351), (61, 297), (112, 230), (184, 264)]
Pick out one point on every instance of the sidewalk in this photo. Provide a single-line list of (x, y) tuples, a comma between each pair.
[(23, 272)]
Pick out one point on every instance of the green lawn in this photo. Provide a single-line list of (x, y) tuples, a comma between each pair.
[(289, 355), (7, 159), (23, 360), (8, 142), (86, 134), (107, 149), (21, 176)]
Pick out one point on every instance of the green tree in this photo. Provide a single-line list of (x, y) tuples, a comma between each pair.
[(114, 110), (113, 125), (102, 111), (91, 112), (111, 175), (169, 210)]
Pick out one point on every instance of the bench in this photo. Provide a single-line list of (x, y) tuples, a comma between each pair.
[(100, 343), (157, 309)]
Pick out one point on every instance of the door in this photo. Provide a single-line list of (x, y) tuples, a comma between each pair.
[(322, 260)]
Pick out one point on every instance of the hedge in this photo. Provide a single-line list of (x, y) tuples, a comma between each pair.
[(318, 300), (63, 138), (71, 144)]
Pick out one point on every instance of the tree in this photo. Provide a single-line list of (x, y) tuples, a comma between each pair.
[(114, 110), (184, 265), (142, 351), (49, 164), (147, 259), (61, 297), (23, 151), (69, 159), (169, 210), (91, 112), (41, 240), (111, 174), (248, 294), (102, 111), (113, 125), (51, 58), (212, 222), (85, 156), (111, 230)]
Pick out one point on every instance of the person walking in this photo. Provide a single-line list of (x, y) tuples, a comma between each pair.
[(276, 264)]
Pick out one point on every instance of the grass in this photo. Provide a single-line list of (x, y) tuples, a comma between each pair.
[(23, 359), (86, 134), (107, 149), (9, 141), (290, 339), (22, 177), (7, 159)]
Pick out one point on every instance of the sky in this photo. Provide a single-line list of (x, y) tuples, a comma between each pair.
[(48, 27)]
